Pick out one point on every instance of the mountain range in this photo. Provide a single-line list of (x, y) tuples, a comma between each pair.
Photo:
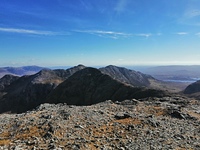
[(88, 108), (81, 85), (90, 86), (78, 85)]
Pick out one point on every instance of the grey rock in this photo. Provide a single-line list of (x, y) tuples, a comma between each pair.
[(122, 115), (130, 102), (88, 128)]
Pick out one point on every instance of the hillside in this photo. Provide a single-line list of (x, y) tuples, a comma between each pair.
[(127, 76), (193, 90), (29, 91), (6, 81), (90, 86), (135, 78)]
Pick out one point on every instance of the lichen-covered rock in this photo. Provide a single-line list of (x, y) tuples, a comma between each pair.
[(106, 125)]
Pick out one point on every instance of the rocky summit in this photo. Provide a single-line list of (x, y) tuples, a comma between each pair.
[(170, 123)]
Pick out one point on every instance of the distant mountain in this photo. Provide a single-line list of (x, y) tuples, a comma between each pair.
[(90, 86), (127, 76), (28, 91), (138, 79), (20, 71)]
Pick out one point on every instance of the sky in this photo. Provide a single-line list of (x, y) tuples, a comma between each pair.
[(99, 32)]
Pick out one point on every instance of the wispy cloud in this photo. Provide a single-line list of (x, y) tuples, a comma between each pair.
[(115, 35), (85, 5), (198, 34), (192, 13), (26, 31), (147, 35), (121, 5), (159, 34), (190, 17), (181, 33), (107, 34)]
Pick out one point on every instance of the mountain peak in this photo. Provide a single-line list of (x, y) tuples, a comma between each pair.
[(89, 86), (128, 76), (80, 65)]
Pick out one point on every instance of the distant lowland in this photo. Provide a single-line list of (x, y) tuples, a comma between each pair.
[(175, 73)]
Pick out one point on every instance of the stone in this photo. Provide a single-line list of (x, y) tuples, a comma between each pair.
[(104, 125), (122, 115), (78, 126)]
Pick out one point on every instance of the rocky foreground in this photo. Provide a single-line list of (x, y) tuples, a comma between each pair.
[(152, 123)]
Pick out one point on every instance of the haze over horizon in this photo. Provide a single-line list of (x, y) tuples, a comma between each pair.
[(99, 33)]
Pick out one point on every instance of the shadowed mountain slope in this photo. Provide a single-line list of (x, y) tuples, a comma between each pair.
[(6, 81), (193, 88), (29, 91), (90, 86)]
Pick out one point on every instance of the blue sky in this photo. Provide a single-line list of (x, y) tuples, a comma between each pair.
[(99, 32)]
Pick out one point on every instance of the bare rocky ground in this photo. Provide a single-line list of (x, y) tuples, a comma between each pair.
[(148, 124)]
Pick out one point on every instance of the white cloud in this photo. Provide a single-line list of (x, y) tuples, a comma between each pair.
[(108, 34), (159, 34), (198, 34), (144, 34), (116, 35), (181, 33), (25, 31)]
